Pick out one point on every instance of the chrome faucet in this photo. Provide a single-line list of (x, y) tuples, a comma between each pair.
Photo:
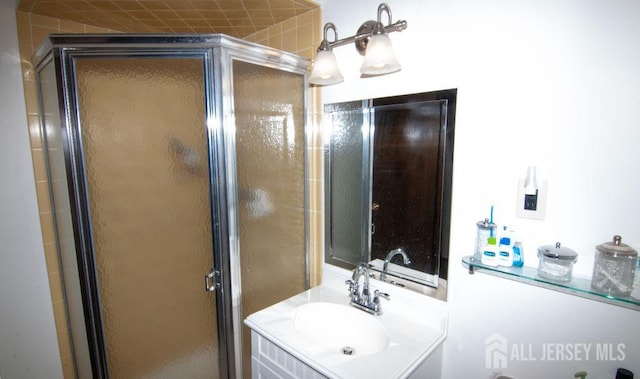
[(363, 299), (389, 257)]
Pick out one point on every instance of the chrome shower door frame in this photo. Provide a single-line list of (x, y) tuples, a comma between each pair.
[(218, 53), (229, 52)]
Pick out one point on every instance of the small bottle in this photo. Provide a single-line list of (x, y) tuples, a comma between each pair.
[(505, 250), (490, 253), (518, 254)]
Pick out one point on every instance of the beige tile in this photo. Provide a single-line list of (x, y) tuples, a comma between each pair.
[(251, 38), (26, 5), (185, 29), (262, 35), (31, 97), (79, 5), (283, 14), (201, 29), (315, 195), (305, 18), (64, 342), (44, 21), (60, 315), (275, 41), (71, 27), (305, 37), (204, 4), (68, 369), (275, 30), (44, 201), (51, 257), (306, 53), (315, 172), (290, 24), (154, 5), (116, 15), (212, 14), (317, 21), (28, 72), (128, 5), (56, 287), (26, 52), (46, 223), (39, 167), (105, 5), (24, 28), (199, 22), (289, 41), (188, 14), (155, 23), (262, 22), (261, 13), (40, 33), (97, 29), (176, 23), (35, 134), (315, 248)]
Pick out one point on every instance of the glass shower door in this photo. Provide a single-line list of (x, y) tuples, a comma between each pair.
[(269, 110), (144, 147)]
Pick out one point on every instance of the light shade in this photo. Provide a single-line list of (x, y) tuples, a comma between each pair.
[(325, 69), (379, 59)]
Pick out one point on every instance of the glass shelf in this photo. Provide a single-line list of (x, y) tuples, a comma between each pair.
[(529, 275)]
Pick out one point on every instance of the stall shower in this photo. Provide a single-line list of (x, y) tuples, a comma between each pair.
[(177, 176)]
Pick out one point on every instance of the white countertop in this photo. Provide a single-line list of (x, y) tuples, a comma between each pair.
[(416, 325)]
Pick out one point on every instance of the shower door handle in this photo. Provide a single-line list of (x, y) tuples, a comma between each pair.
[(212, 280)]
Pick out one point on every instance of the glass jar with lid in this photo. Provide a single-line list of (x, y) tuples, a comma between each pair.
[(614, 268), (556, 262), (485, 229)]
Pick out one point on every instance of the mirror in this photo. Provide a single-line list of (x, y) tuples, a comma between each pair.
[(388, 169)]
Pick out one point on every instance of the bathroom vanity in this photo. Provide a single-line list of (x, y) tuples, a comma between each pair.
[(317, 334)]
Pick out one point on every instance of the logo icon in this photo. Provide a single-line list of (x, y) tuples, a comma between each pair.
[(495, 352)]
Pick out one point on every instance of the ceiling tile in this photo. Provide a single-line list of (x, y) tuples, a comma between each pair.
[(233, 17)]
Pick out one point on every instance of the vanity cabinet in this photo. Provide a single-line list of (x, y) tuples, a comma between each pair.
[(269, 360)]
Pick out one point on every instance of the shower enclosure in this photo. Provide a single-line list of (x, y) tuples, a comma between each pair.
[(177, 175)]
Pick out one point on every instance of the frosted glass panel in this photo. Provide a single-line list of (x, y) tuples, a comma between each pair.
[(346, 189), (66, 247), (269, 115), (145, 147)]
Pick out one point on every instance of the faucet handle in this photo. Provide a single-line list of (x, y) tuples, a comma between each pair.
[(376, 301), (377, 294), (352, 285)]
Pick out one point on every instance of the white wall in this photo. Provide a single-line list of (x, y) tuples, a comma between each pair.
[(549, 83), (28, 344)]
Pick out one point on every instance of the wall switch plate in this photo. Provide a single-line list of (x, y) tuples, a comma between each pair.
[(532, 206)]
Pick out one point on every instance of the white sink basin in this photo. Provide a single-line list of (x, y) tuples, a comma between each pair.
[(341, 328), (316, 325)]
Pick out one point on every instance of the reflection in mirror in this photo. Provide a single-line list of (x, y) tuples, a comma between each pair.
[(388, 165)]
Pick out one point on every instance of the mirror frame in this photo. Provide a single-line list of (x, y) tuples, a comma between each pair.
[(448, 98)]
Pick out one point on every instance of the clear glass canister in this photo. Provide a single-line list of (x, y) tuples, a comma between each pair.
[(485, 230), (614, 267), (556, 262)]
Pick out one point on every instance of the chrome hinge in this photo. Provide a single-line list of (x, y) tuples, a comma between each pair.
[(212, 280)]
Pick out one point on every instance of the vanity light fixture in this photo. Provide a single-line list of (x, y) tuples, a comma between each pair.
[(371, 40)]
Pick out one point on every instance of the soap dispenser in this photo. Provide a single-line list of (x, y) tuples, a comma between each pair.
[(490, 253), (505, 249)]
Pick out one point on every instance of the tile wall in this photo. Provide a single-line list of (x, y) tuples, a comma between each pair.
[(300, 35)]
